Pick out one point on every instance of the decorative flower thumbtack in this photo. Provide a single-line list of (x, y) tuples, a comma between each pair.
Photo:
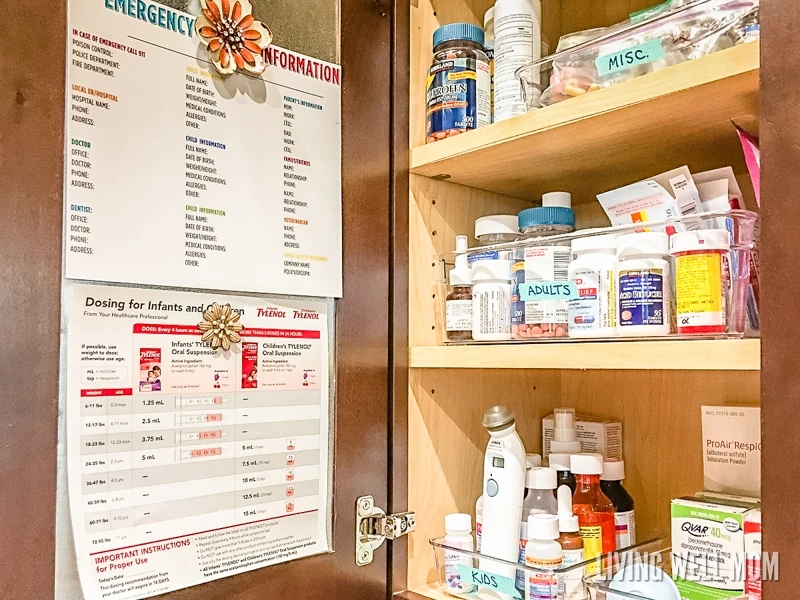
[(234, 38), (220, 326)]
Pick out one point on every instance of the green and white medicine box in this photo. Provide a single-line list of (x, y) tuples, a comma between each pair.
[(708, 552)]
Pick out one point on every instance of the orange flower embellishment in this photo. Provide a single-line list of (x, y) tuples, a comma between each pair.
[(221, 326), (235, 40)]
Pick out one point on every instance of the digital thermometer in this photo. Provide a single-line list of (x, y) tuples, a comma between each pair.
[(503, 491)]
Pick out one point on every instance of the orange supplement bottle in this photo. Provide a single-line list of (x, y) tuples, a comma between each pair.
[(594, 510)]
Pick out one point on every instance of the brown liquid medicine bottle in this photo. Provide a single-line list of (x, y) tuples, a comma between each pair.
[(458, 304)]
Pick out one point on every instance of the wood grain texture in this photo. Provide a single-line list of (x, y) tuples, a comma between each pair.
[(661, 427), (659, 410), (438, 212), (600, 141), (780, 176), (447, 443), (32, 147), (702, 355)]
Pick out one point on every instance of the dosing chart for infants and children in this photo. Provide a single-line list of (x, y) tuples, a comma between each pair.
[(188, 464)]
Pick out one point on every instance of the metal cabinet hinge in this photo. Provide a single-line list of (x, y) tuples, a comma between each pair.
[(373, 526)]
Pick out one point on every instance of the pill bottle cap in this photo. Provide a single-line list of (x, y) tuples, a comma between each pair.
[(461, 274), (542, 527), (642, 243), (497, 418), (457, 522), (559, 462), (491, 270), (568, 524), (562, 199), (533, 460), (586, 463), (458, 31), (613, 470), (546, 215), (541, 478), (606, 241), (494, 224), (703, 239), (488, 17)]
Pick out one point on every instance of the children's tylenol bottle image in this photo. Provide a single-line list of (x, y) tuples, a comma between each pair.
[(503, 490), (593, 508)]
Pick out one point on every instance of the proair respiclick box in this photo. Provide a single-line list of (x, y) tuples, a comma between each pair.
[(708, 548), (732, 449)]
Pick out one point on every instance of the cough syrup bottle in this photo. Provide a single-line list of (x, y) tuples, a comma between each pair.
[(594, 509), (624, 515)]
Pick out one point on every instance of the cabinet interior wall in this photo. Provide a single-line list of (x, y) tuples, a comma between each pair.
[(659, 410)]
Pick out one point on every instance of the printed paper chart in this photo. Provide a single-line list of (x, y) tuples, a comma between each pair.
[(178, 176), (187, 464)]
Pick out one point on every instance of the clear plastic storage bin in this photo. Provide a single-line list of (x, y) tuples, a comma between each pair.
[(641, 575), (569, 583), (739, 272), (671, 33)]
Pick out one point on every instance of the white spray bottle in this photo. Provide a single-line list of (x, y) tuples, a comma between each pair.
[(503, 490)]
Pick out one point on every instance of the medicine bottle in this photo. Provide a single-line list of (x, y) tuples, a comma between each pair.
[(517, 41), (565, 432), (570, 583), (458, 527), (459, 82), (560, 463), (488, 47), (624, 515), (540, 484), (542, 552), (702, 280), (491, 230), (643, 284), (458, 304), (491, 300), (542, 263), (594, 509), (592, 270)]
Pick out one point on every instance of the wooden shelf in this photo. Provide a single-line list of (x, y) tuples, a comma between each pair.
[(611, 137), (700, 355)]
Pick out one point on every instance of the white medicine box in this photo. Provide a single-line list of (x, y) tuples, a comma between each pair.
[(732, 450), (603, 437)]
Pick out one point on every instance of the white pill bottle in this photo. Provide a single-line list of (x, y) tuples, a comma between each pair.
[(458, 527), (593, 271), (491, 300), (643, 287), (517, 41)]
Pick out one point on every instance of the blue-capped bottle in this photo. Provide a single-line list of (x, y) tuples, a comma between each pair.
[(533, 314), (459, 82)]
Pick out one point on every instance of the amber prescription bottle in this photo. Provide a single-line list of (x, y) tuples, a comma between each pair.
[(594, 509), (458, 304)]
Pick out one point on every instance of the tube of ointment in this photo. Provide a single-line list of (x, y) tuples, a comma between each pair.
[(639, 203)]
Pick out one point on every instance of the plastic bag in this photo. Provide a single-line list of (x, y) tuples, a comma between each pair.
[(668, 34)]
